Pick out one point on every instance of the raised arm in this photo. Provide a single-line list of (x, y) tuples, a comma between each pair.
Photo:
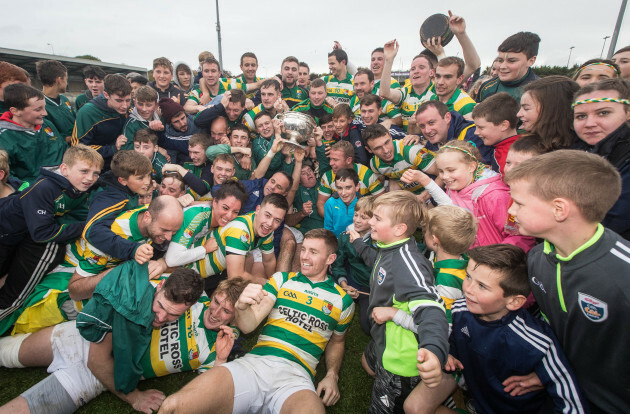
[(263, 166), (252, 307), (471, 57), (394, 95)]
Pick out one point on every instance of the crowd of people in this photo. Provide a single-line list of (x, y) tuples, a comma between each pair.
[(478, 225)]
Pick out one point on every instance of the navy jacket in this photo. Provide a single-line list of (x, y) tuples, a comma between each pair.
[(457, 130)]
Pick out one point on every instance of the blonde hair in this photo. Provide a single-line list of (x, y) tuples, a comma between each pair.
[(146, 94), (82, 152), (403, 208), (468, 151), (365, 205), (591, 182), (4, 165), (454, 227)]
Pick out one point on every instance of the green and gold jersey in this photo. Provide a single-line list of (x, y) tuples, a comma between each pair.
[(449, 278), (238, 237), (388, 109), (393, 84), (460, 102), (341, 90), (304, 317), (248, 118), (316, 112), (182, 345), (243, 81), (293, 96), (92, 261), (61, 115), (368, 182), (195, 226), (225, 84), (415, 157), (410, 101)]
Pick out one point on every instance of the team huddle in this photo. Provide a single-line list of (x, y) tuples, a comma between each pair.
[(477, 225)]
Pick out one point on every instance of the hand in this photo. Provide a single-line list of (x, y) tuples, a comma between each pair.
[(382, 314), (411, 140), (387, 123), (434, 44), (144, 253), (299, 154), (157, 268), (330, 101), (253, 294), (156, 125), (211, 245), (146, 401), (246, 162), (201, 108), (175, 98), (278, 126), (349, 290), (429, 368), (226, 98), (456, 23), (186, 200), (318, 133), (223, 344), (224, 140), (423, 197), (353, 235), (327, 150), (311, 142), (337, 45), (120, 141), (307, 208), (328, 385), (415, 176), (173, 167), (453, 364), (244, 151), (277, 145), (249, 104), (281, 106), (391, 50), (164, 153), (519, 385)]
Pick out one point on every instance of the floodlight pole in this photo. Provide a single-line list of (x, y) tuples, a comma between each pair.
[(603, 46), (613, 41), (569, 59), (219, 36)]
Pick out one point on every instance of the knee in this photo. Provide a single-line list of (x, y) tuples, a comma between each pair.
[(288, 240)]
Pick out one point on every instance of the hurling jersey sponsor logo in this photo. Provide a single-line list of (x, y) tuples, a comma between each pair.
[(594, 309), (380, 278)]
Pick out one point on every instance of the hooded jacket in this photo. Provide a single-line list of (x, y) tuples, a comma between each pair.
[(176, 79), (488, 199), (98, 126), (30, 149), (134, 124), (170, 92), (34, 211)]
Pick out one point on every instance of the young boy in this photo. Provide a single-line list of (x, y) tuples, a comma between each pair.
[(338, 212), (240, 151), (197, 173), (495, 119), (100, 122), (517, 54), (561, 197), (31, 236), (94, 78), (522, 149), (345, 130), (490, 321), (29, 139), (262, 143), (163, 75), (143, 115), (145, 142), (305, 216), (357, 281), (401, 277), (54, 77), (10, 74)]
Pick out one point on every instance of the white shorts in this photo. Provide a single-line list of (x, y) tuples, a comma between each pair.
[(299, 237), (70, 356), (263, 383)]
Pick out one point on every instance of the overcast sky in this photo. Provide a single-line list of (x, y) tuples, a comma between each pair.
[(134, 32)]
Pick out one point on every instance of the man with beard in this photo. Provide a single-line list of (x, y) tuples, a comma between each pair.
[(271, 102), (178, 130), (292, 93), (231, 107)]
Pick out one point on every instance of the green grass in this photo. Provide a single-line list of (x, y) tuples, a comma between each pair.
[(354, 384)]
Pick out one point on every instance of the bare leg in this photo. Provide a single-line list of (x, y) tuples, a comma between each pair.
[(303, 402), (212, 390), (287, 250), (366, 367), (295, 267), (425, 400), (17, 405), (36, 350)]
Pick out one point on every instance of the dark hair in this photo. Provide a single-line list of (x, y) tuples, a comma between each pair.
[(510, 261), (276, 200), (126, 163), (117, 85), (210, 61), (318, 83), (347, 174), (288, 176), (623, 49), (183, 286), (367, 72), (342, 109), (240, 127), (498, 108), (91, 72), (270, 83), (554, 95), (326, 118), (139, 79), (371, 132), (162, 61), (529, 143), (378, 49), (145, 135), (248, 55), (175, 176), (327, 236), (439, 106), (261, 114), (429, 56), (592, 61), (232, 188), (49, 70), (340, 55), (525, 42), (237, 96), (304, 64), (17, 95), (616, 84), (290, 59), (453, 60), (370, 99)]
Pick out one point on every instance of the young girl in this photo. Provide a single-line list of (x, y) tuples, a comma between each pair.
[(474, 186)]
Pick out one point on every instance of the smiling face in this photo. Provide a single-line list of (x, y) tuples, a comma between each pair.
[(329, 131), (95, 85), (234, 110), (315, 258), (220, 312), (490, 133), (222, 171), (361, 221), (197, 154), (336, 68), (382, 147), (211, 73), (163, 77), (239, 139), (341, 124), (338, 160), (249, 66), (162, 227), (224, 210), (303, 76), (433, 126), (347, 190), (381, 226), (32, 115), (484, 295), (172, 187), (370, 114), (446, 80), (376, 64), (513, 66), (277, 184), (420, 73), (454, 171), (145, 109), (362, 85), (264, 126), (138, 184), (289, 73), (81, 175), (165, 310), (529, 112), (595, 73), (595, 121), (267, 219), (317, 95)]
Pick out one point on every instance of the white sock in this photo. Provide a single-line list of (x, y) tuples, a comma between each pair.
[(10, 350)]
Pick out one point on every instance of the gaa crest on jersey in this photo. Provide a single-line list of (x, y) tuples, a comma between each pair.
[(94, 259), (594, 309), (327, 307), (193, 353), (68, 105), (245, 238), (380, 277), (49, 132), (188, 233)]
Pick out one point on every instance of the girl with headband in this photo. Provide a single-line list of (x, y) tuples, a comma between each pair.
[(595, 70)]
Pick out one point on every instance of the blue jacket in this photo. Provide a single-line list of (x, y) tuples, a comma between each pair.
[(337, 215), (463, 129), (175, 140)]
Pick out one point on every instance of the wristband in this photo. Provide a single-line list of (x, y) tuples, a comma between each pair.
[(270, 154)]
